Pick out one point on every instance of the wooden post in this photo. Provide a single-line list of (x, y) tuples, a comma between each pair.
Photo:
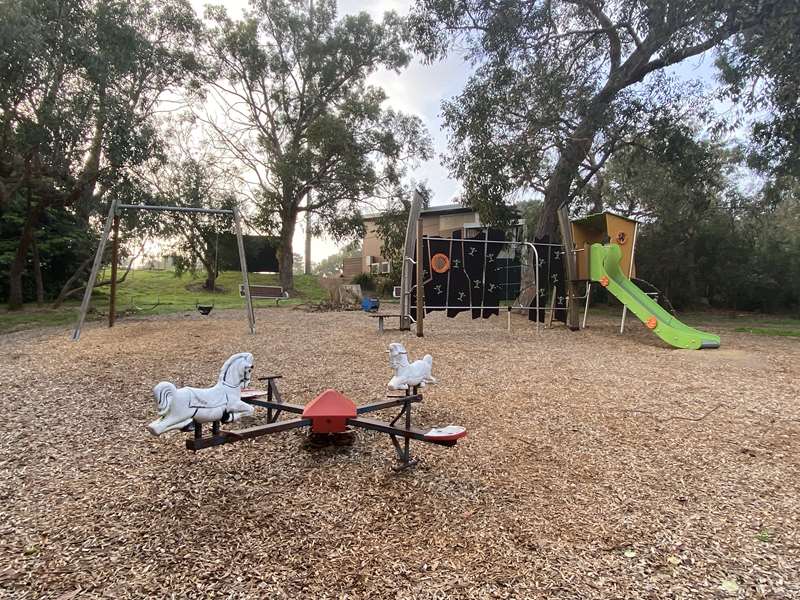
[(420, 281), (98, 258), (572, 319), (251, 317), (405, 272), (630, 274), (112, 301)]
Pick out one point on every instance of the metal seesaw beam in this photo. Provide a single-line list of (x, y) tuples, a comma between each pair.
[(230, 437), (388, 403), (409, 433)]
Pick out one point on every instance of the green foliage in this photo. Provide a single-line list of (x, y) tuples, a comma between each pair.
[(367, 281), (530, 211), (385, 284), (192, 185), (559, 85), (704, 240), (391, 227), (62, 241), (333, 263), (78, 85), (761, 70)]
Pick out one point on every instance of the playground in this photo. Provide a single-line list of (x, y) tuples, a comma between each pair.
[(596, 466)]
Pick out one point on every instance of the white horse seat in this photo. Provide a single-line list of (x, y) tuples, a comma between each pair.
[(206, 398)]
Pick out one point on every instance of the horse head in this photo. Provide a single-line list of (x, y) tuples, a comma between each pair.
[(237, 370), (398, 357)]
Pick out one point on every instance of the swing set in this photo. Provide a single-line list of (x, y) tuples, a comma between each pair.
[(112, 224)]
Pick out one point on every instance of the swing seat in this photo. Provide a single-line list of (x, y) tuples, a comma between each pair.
[(205, 309), (450, 433)]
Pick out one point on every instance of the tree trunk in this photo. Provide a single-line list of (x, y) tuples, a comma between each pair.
[(211, 277), (17, 268), (285, 252), (67, 287), (307, 269), (558, 187), (596, 193), (555, 212), (37, 273)]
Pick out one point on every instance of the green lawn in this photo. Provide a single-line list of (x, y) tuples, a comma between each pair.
[(161, 292), (716, 321)]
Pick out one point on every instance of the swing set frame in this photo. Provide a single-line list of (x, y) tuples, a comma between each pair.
[(112, 224)]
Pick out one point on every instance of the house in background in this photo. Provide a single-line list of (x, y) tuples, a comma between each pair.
[(441, 220)]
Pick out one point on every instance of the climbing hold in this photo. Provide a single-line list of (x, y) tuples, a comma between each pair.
[(652, 323), (440, 263), (604, 281)]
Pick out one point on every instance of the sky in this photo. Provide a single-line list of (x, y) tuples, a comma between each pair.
[(419, 90)]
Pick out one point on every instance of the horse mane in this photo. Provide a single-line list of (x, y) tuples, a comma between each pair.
[(398, 357), (226, 365)]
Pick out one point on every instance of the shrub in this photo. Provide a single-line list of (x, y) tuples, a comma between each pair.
[(366, 281)]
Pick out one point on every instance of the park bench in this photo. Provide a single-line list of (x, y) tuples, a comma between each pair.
[(381, 318), (270, 292)]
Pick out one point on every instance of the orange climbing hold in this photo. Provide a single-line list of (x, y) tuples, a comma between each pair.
[(652, 323), (440, 263), (604, 281)]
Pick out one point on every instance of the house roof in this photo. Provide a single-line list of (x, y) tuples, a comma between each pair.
[(447, 209), (598, 219), (440, 209)]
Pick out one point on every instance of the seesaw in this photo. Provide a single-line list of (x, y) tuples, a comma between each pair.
[(329, 414)]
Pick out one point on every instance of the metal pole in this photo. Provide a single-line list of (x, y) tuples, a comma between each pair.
[(586, 308), (408, 249), (251, 317), (420, 286), (98, 258), (630, 272), (186, 209), (112, 301)]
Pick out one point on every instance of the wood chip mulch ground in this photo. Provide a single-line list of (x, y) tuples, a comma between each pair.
[(596, 466)]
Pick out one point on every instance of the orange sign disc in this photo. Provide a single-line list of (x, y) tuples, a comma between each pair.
[(440, 263), (652, 323)]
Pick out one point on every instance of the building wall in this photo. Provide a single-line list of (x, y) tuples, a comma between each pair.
[(432, 224), (351, 267)]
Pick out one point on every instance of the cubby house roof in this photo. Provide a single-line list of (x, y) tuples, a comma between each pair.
[(598, 220)]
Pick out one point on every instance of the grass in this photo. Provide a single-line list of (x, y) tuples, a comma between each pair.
[(770, 331), (161, 292)]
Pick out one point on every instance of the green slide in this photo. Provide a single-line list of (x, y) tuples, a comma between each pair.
[(604, 267)]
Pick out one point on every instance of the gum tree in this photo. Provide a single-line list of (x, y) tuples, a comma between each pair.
[(289, 100), (557, 81)]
